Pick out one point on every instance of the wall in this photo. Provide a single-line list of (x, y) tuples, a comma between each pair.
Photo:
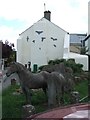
[(82, 59), (89, 26), (88, 17), (48, 49), (24, 46), (0, 50), (40, 48), (89, 45)]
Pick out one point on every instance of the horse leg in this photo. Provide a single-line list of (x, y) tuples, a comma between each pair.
[(26, 91), (51, 94), (44, 90), (62, 95)]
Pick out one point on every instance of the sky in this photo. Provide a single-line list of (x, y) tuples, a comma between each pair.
[(18, 15)]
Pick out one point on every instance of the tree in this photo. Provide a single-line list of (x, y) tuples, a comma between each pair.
[(8, 52), (84, 50)]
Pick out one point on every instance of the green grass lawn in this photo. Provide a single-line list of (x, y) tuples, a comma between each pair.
[(0, 105), (12, 104)]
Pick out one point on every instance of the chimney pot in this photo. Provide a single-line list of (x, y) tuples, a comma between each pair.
[(47, 15)]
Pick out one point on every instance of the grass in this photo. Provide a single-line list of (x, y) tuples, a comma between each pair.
[(0, 105), (82, 88), (12, 104)]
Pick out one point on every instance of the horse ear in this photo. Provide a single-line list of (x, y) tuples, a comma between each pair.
[(19, 66)]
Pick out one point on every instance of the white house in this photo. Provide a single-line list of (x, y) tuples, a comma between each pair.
[(45, 41), (41, 42)]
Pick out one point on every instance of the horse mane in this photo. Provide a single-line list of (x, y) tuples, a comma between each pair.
[(20, 66)]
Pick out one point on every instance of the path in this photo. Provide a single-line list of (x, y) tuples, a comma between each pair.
[(80, 111)]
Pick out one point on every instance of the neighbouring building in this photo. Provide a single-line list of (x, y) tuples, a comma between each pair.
[(41, 42), (76, 42), (88, 17), (89, 27), (82, 59), (0, 50), (86, 41), (0, 55)]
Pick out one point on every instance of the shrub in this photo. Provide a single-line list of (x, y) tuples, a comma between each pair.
[(41, 67), (77, 68), (56, 61)]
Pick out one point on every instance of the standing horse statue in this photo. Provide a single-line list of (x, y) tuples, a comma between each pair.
[(28, 80)]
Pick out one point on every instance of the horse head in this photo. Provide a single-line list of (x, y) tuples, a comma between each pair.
[(12, 69), (15, 67)]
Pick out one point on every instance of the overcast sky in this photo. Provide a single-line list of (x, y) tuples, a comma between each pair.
[(18, 15)]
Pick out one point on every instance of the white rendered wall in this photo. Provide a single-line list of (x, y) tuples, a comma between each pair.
[(81, 59), (66, 45), (39, 52), (89, 26), (44, 51), (88, 17)]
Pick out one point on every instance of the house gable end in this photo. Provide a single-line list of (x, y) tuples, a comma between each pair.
[(44, 20)]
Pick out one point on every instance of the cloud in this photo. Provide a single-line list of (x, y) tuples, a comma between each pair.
[(18, 15), (9, 33)]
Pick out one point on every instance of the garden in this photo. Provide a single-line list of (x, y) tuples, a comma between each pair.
[(12, 103)]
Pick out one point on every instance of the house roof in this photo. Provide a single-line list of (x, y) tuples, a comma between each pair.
[(46, 20), (78, 34)]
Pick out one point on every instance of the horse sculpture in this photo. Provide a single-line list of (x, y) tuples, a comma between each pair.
[(67, 73), (28, 80), (54, 82)]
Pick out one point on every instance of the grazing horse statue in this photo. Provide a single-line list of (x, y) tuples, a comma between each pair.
[(56, 83)]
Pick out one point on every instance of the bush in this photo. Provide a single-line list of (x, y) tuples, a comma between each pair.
[(77, 68), (57, 61), (41, 67)]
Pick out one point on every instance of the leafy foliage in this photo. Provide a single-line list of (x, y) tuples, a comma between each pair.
[(8, 52), (84, 50), (76, 67)]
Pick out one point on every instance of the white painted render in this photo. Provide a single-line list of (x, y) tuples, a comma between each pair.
[(37, 51), (40, 52), (89, 27), (88, 17), (66, 45), (81, 59)]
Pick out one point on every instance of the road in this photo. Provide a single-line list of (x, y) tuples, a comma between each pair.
[(7, 80)]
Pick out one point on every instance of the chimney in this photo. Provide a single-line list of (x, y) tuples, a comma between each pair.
[(47, 15)]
